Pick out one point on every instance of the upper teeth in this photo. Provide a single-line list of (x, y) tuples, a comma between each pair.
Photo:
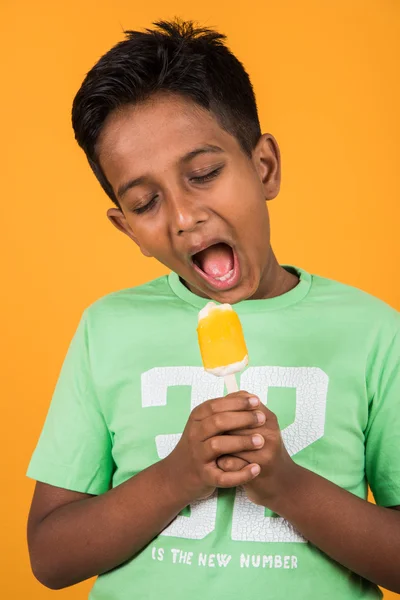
[(225, 277)]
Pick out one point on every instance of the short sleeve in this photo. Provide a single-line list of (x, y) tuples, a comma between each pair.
[(383, 431), (74, 448)]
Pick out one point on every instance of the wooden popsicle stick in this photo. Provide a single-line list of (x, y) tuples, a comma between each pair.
[(231, 384)]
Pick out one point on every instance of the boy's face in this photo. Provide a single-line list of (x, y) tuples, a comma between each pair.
[(191, 197)]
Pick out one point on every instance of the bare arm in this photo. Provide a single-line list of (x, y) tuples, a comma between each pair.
[(75, 536), (356, 533)]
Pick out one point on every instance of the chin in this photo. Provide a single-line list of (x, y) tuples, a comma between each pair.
[(233, 296)]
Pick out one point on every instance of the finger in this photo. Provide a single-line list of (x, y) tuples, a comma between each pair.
[(230, 421), (233, 402), (269, 429), (230, 444), (245, 431), (235, 478), (231, 463), (248, 456), (270, 417)]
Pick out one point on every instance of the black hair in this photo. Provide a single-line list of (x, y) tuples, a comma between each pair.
[(176, 57)]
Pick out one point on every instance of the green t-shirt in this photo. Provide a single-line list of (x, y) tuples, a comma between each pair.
[(324, 356)]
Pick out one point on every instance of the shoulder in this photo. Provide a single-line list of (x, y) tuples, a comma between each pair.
[(130, 301), (355, 305), (129, 316)]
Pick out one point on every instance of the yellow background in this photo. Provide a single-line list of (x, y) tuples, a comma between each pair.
[(327, 81)]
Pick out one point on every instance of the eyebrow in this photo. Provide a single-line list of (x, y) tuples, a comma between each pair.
[(207, 149)]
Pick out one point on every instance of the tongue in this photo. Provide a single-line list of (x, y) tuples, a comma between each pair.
[(216, 260)]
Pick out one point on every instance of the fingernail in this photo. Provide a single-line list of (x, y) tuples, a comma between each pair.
[(255, 469), (260, 417), (254, 401), (257, 440)]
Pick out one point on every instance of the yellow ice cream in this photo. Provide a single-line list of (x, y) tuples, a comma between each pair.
[(221, 340)]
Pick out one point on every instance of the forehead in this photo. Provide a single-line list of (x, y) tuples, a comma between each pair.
[(161, 129)]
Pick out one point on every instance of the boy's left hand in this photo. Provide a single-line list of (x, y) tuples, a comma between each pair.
[(273, 458)]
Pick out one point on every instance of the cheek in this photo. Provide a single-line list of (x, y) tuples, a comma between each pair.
[(152, 236), (146, 229), (245, 192), (251, 219), (250, 208)]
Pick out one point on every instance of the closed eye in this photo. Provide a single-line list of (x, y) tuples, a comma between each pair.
[(200, 179), (142, 209), (207, 177)]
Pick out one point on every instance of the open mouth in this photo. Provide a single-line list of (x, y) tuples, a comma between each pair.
[(218, 266)]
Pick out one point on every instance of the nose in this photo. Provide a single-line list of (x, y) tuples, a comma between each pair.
[(186, 212)]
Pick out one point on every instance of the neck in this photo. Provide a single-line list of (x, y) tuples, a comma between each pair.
[(275, 281)]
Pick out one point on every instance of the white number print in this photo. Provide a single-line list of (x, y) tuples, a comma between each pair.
[(311, 384), (155, 384), (249, 522)]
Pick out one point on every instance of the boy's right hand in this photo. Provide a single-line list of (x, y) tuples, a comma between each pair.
[(192, 465)]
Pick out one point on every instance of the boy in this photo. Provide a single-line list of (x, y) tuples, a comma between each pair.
[(248, 501)]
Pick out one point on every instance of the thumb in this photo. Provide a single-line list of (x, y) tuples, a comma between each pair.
[(231, 463)]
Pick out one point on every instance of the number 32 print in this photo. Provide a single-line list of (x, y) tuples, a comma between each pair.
[(249, 522)]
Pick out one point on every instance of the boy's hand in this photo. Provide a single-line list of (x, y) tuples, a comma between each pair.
[(210, 433), (272, 457)]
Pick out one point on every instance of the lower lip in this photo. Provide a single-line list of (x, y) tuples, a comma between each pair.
[(221, 285)]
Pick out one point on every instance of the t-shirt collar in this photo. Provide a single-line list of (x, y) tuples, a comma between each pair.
[(292, 297)]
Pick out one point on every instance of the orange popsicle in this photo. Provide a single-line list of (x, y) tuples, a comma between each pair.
[(222, 344)]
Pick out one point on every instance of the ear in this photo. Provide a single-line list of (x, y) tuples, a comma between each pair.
[(118, 219), (267, 160)]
